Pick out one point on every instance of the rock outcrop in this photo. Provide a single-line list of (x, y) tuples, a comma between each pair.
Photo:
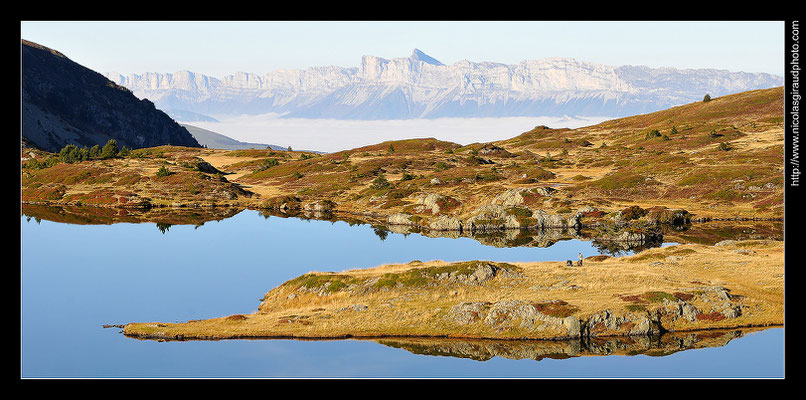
[(511, 197), (400, 219), (429, 202), (320, 206), (669, 316), (445, 223), (493, 217)]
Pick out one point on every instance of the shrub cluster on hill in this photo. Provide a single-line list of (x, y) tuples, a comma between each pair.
[(72, 154)]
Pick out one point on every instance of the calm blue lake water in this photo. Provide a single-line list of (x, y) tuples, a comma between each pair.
[(76, 278)]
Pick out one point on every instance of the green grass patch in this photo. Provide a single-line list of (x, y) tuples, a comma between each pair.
[(636, 308), (648, 297), (409, 278), (423, 276), (619, 180), (657, 297), (327, 282)]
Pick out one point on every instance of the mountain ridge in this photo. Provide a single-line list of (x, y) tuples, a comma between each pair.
[(420, 86), (66, 103), (215, 140)]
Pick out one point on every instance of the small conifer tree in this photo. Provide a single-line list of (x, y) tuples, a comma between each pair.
[(163, 172), (110, 149), (380, 182), (95, 151)]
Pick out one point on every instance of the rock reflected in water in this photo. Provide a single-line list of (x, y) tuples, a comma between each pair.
[(483, 350), (608, 241)]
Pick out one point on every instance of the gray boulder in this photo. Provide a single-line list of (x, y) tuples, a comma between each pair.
[(399, 219), (320, 206), (493, 217), (511, 197), (545, 220), (445, 223), (468, 312), (429, 202)]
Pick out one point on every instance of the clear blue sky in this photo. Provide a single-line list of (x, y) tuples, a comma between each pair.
[(221, 48)]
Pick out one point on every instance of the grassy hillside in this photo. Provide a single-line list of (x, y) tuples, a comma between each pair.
[(723, 158), (716, 159)]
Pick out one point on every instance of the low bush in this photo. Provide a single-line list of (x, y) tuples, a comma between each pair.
[(633, 212), (163, 172)]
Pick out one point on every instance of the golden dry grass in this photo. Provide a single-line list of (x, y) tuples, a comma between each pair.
[(752, 271)]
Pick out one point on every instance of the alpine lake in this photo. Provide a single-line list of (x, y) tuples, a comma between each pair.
[(84, 274)]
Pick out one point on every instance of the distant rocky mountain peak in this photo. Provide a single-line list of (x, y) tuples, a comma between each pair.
[(419, 86), (418, 55)]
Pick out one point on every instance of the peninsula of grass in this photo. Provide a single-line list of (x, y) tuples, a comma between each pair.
[(672, 289)]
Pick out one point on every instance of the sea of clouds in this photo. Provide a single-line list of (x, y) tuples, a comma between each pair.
[(331, 135)]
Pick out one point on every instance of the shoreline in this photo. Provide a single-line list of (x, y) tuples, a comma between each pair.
[(181, 338)]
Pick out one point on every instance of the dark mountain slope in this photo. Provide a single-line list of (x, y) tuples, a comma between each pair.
[(66, 103), (215, 140)]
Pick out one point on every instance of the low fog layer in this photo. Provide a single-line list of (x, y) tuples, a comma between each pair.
[(331, 135)]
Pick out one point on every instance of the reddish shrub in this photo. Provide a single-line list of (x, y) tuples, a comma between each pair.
[(713, 316), (683, 296), (556, 308), (633, 212), (594, 214)]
